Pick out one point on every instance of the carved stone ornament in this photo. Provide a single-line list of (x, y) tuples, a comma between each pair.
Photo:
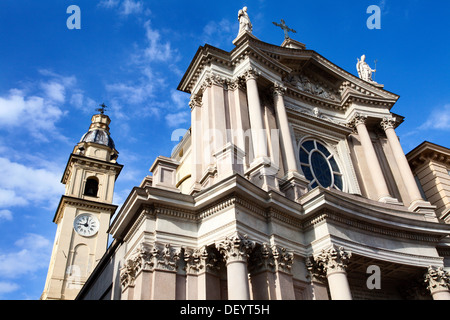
[(437, 279), (278, 89), (149, 257), (329, 261), (251, 74), (305, 84), (235, 248), (201, 260), (388, 123), (271, 258), (357, 119)]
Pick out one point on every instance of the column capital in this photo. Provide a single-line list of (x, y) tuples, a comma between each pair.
[(148, 257), (251, 74), (271, 258), (278, 89), (333, 259), (196, 101), (200, 260), (388, 123), (235, 248), (357, 119), (437, 279)]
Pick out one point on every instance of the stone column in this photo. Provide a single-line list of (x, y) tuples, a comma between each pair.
[(437, 280), (283, 126), (256, 116), (402, 162), (372, 159), (197, 143), (236, 250), (334, 262)]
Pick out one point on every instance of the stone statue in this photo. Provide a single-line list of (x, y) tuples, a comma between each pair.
[(244, 21), (364, 71)]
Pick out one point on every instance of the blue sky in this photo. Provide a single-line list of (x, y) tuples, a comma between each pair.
[(131, 55)]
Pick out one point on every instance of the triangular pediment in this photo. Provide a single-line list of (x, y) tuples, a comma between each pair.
[(316, 79)]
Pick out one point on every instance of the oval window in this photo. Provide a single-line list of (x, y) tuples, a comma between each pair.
[(319, 165)]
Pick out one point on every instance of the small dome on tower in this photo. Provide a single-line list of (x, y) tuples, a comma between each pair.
[(98, 136)]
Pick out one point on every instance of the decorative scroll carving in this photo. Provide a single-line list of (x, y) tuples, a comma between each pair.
[(235, 248), (305, 84), (437, 279)]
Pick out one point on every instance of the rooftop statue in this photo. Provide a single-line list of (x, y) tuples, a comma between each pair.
[(364, 71), (244, 21)]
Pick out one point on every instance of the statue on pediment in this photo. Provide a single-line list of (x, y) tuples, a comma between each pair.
[(364, 70), (244, 21)]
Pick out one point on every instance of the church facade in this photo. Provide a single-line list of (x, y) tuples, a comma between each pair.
[(290, 184)]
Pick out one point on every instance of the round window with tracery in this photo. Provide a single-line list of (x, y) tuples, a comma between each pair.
[(319, 166)]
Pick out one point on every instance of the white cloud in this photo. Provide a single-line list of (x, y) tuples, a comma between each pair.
[(156, 49), (220, 34), (55, 91), (37, 108), (8, 287), (131, 7), (5, 215), (439, 119), (177, 119), (31, 255), (16, 181)]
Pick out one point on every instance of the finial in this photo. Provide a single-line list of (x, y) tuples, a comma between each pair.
[(102, 108)]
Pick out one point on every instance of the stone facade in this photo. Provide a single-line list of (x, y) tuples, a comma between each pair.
[(290, 184)]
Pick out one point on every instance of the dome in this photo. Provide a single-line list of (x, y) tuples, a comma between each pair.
[(98, 136)]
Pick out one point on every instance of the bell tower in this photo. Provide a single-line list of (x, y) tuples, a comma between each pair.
[(84, 211)]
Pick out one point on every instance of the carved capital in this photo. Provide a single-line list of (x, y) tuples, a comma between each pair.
[(251, 74), (333, 259), (271, 258), (148, 257), (437, 279), (357, 119), (128, 274), (278, 89), (235, 248), (283, 259), (388, 123), (196, 101), (201, 260)]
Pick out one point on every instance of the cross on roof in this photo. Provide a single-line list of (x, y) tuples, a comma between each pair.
[(102, 108), (285, 28)]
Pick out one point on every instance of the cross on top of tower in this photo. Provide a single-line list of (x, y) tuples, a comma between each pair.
[(102, 108), (285, 28)]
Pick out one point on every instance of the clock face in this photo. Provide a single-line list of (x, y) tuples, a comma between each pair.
[(86, 225)]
